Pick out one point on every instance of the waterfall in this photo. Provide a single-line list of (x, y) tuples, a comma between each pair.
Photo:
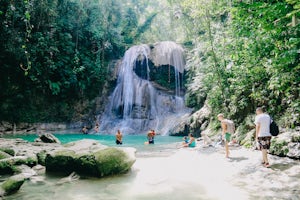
[(136, 105)]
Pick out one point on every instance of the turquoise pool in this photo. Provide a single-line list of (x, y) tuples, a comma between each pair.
[(162, 143)]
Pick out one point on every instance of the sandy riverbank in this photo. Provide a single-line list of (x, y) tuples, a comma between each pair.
[(204, 173)]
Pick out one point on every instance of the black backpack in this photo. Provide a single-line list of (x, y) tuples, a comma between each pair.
[(274, 130)]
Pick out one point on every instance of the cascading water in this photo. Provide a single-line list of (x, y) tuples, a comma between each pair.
[(136, 105)]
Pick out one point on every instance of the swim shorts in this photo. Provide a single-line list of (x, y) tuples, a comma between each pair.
[(227, 137), (118, 142), (151, 141), (264, 142)]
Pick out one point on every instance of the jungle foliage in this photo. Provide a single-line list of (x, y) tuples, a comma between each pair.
[(246, 54), (54, 54)]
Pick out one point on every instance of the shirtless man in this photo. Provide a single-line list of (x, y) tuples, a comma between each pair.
[(119, 137), (227, 130)]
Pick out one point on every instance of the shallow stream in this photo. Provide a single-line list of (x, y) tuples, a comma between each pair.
[(164, 172)]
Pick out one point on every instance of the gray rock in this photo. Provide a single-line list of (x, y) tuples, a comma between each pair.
[(294, 150), (286, 144), (194, 123), (47, 138), (39, 169), (26, 171)]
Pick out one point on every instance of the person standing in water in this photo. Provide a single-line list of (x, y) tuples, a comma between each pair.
[(150, 137), (227, 130), (262, 134), (119, 137), (96, 128), (84, 130)]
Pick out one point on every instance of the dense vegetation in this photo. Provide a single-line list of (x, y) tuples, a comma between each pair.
[(54, 54), (246, 54)]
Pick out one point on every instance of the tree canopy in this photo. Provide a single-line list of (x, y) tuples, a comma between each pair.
[(55, 54)]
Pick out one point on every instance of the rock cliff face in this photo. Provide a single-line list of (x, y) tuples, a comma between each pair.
[(149, 90), (195, 123)]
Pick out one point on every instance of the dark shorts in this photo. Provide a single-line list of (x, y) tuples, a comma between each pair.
[(151, 141), (264, 142), (118, 142)]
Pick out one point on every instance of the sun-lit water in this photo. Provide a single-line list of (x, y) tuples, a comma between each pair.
[(163, 172), (162, 143)]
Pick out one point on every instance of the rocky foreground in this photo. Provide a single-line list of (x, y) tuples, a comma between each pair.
[(24, 160)]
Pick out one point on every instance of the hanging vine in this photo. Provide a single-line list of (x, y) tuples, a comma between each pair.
[(27, 36)]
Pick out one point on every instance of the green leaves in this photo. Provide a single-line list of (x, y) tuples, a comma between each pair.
[(249, 59)]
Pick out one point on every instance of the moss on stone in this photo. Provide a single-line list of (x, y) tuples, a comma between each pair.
[(29, 161), (279, 147), (86, 164), (296, 137), (112, 161), (62, 161), (6, 167), (8, 151), (41, 157), (12, 184), (4, 155)]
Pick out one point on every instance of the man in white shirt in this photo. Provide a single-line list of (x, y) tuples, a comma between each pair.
[(263, 135)]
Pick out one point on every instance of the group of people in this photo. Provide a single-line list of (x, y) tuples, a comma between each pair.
[(150, 136), (262, 134), (85, 129)]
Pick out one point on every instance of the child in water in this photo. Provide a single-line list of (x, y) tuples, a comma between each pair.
[(191, 142)]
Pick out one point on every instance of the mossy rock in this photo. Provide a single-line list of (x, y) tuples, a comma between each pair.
[(112, 161), (86, 165), (4, 155), (101, 163), (61, 161), (296, 137), (12, 184), (7, 167), (29, 161), (41, 157), (8, 151), (279, 147)]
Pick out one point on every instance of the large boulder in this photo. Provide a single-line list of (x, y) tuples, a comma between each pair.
[(89, 157), (47, 138), (286, 144), (12, 184), (194, 123)]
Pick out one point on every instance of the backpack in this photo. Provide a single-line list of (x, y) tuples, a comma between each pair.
[(274, 130)]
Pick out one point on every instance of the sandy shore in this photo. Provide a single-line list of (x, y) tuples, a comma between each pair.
[(205, 173)]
